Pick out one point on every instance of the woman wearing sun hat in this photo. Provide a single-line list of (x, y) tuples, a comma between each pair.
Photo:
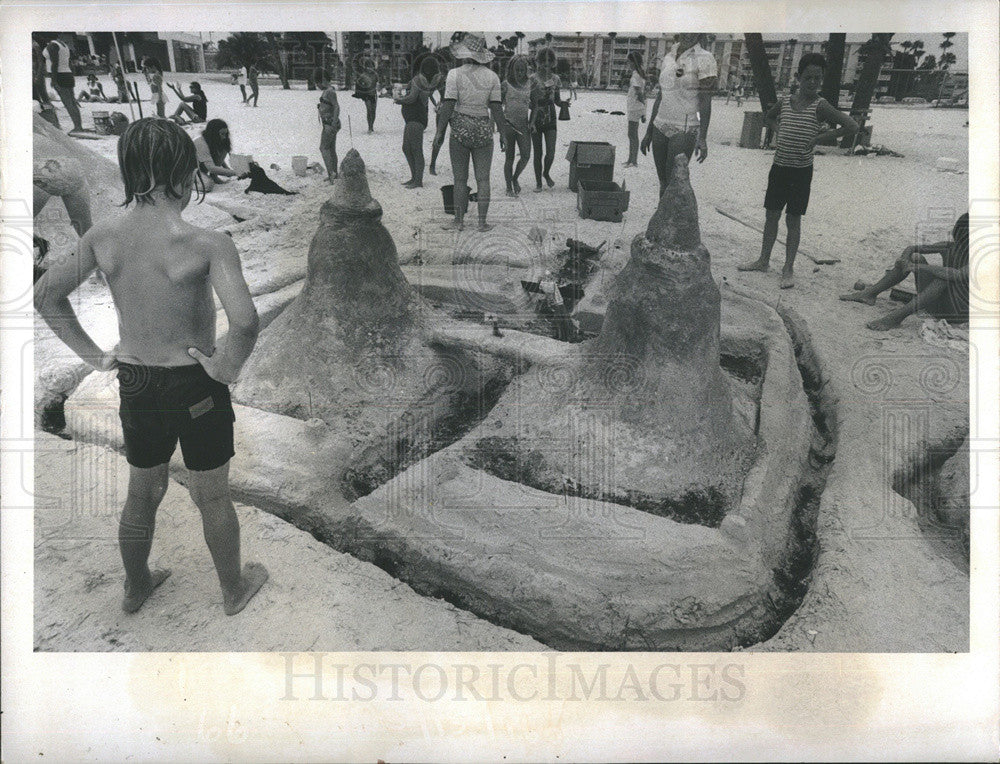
[(472, 108)]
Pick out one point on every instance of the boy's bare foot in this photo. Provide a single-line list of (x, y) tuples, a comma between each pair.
[(407, 182), (517, 187), (454, 225), (484, 227), (756, 265), (538, 188), (882, 324), (133, 600), (549, 180), (862, 296), (510, 191), (787, 281), (254, 576), (432, 170)]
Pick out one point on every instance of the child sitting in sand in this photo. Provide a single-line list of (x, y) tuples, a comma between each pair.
[(173, 379), (796, 120), (942, 290)]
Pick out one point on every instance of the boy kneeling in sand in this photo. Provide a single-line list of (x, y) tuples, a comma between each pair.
[(173, 381)]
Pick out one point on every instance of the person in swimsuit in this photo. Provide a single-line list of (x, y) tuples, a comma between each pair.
[(154, 74), (543, 120), (415, 109), (173, 378), (635, 106), (366, 89), (252, 74), (198, 109), (329, 117), (516, 94)]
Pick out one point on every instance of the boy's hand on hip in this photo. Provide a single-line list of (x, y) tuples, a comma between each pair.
[(108, 361), (644, 143), (212, 367)]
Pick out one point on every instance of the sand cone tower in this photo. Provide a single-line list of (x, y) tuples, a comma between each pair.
[(350, 349), (645, 414)]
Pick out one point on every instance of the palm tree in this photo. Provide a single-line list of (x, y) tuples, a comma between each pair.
[(277, 58), (918, 50), (519, 36), (241, 49), (874, 52), (946, 60), (947, 43)]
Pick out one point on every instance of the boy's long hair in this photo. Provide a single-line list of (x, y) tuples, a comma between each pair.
[(155, 152), (218, 145)]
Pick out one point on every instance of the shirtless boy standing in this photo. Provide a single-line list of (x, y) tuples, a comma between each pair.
[(173, 380)]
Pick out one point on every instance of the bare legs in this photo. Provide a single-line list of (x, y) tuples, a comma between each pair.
[(516, 142), (793, 224), (664, 151), (328, 148), (210, 492), (370, 104), (69, 101), (146, 488), (481, 158), (633, 144), (543, 163), (413, 150), (931, 292), (432, 168), (184, 109)]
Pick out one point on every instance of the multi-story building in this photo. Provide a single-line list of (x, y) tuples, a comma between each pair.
[(392, 52), (176, 51), (601, 60)]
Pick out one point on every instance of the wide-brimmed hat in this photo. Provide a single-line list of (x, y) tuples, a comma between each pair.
[(472, 46)]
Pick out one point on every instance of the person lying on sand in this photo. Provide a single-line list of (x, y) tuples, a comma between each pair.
[(942, 290), (173, 379)]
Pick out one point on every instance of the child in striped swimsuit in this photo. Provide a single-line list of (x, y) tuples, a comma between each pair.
[(796, 120)]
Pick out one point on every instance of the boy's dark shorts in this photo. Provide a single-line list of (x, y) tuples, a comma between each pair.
[(63, 80), (788, 186), (161, 405)]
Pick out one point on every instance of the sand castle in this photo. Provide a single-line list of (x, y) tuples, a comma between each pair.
[(648, 395), (351, 349)]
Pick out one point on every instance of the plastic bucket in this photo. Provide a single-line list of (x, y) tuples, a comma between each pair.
[(300, 165), (448, 195)]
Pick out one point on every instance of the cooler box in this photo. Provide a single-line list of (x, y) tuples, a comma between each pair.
[(590, 160), (102, 122), (602, 200)]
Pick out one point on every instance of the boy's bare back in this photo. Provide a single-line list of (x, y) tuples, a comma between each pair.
[(160, 271)]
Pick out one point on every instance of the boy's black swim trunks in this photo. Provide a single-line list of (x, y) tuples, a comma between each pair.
[(788, 186), (161, 405)]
